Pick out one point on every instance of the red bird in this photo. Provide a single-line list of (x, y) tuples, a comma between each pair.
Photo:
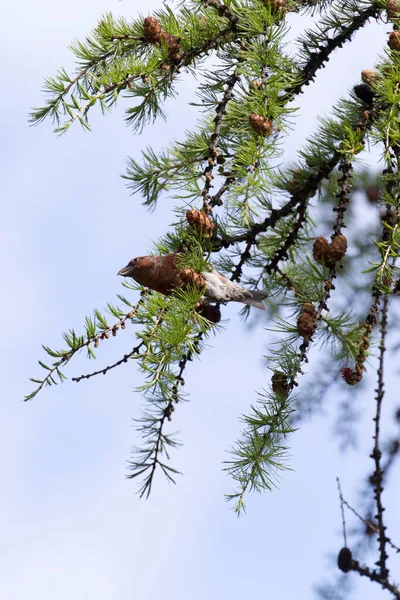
[(162, 274)]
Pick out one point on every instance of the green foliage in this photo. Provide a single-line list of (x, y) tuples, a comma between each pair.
[(265, 215), (261, 453)]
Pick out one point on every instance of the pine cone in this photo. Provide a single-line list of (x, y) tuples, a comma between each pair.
[(256, 84), (349, 376), (329, 254), (364, 93), (345, 559), (369, 76), (172, 43), (260, 124), (308, 308), (372, 192), (188, 275), (279, 382), (210, 312), (152, 30), (320, 248), (394, 40), (393, 9), (337, 249), (305, 325), (200, 221)]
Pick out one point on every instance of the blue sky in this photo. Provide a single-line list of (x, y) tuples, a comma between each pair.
[(73, 526)]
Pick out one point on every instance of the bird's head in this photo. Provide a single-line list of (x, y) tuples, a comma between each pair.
[(131, 268)]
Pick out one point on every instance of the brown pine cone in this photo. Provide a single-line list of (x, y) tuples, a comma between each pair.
[(308, 308), (369, 76), (305, 325), (320, 248), (372, 192), (256, 84), (394, 40), (345, 560), (329, 254), (210, 312), (188, 275), (260, 124), (337, 249), (349, 376), (152, 30), (393, 9), (200, 221), (279, 382), (172, 43)]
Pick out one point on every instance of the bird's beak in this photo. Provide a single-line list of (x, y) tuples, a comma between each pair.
[(124, 271)]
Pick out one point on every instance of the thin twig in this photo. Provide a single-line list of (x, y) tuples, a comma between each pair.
[(367, 522), (103, 335), (318, 59), (212, 150), (377, 453), (374, 576), (167, 415), (342, 502), (104, 371)]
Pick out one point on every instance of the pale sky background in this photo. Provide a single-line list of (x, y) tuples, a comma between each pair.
[(73, 527)]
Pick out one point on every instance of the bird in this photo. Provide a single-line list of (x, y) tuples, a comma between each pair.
[(163, 274)]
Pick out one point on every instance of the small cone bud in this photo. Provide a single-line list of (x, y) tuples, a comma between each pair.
[(337, 249), (369, 76), (260, 124), (305, 325), (329, 254), (393, 9), (308, 308), (172, 43), (279, 383), (152, 30), (209, 312), (256, 84), (344, 560), (200, 221), (364, 93), (188, 275), (349, 376), (320, 248), (372, 193), (394, 40), (394, 447)]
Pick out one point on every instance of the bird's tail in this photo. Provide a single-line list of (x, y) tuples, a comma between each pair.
[(255, 299)]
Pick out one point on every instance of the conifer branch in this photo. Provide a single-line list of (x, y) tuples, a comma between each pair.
[(370, 526), (223, 10), (259, 456), (318, 46), (77, 343), (342, 503), (347, 563), (303, 186), (145, 461), (374, 576), (282, 252), (104, 371), (143, 60), (376, 453), (212, 150)]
